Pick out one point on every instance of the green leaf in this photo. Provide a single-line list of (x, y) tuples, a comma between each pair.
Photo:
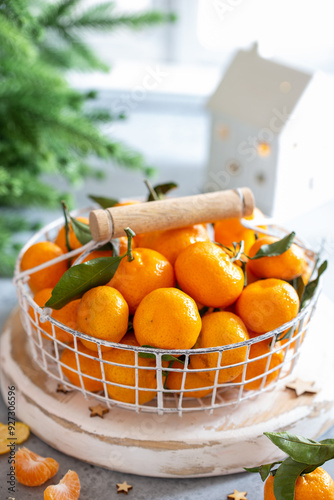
[(264, 470), (286, 477), (285, 335), (81, 231), (164, 357), (312, 285), (299, 285), (276, 248), (161, 190), (81, 278), (104, 202), (301, 449)]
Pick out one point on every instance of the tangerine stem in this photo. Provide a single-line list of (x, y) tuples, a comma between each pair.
[(129, 234), (151, 190), (67, 227)]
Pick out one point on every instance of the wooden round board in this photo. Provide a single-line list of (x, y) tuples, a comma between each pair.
[(195, 445)]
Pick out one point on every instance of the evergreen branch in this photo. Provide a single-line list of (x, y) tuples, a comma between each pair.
[(53, 11), (134, 21), (12, 42)]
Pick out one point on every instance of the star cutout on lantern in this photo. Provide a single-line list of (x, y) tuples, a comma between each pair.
[(238, 495), (123, 487), (62, 388), (301, 386), (98, 411)]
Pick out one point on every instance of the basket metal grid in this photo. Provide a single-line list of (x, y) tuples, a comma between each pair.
[(46, 349)]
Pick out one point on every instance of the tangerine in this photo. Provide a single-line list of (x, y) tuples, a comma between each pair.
[(204, 271), (32, 469), (192, 381), (126, 375), (317, 485), (170, 243), (86, 366), (38, 254), (73, 240), (147, 271), (66, 315), (260, 353), (267, 304), (286, 266), (67, 489), (20, 433), (229, 231), (167, 318), (219, 329), (104, 314)]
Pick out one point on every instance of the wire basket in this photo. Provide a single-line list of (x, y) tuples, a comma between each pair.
[(139, 378)]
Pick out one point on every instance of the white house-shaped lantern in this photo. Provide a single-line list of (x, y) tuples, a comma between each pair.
[(272, 130)]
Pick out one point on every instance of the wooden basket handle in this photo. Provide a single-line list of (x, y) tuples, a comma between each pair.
[(170, 213)]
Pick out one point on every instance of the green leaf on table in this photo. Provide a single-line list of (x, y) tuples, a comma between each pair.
[(301, 449), (312, 285), (81, 231), (104, 202), (286, 477), (161, 190), (81, 278), (264, 470), (276, 248)]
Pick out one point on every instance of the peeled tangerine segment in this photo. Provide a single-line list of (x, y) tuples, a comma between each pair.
[(18, 432), (67, 489)]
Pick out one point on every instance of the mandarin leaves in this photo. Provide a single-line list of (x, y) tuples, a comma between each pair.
[(299, 285), (67, 228), (81, 278), (161, 190), (164, 357), (284, 335), (286, 477), (302, 449), (276, 248), (313, 285), (81, 231), (104, 202), (264, 470), (305, 455)]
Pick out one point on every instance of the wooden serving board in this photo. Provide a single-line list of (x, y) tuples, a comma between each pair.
[(195, 445)]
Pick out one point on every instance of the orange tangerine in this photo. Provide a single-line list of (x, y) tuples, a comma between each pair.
[(204, 271), (170, 243), (317, 485), (286, 266), (258, 365), (167, 318), (104, 314), (267, 304), (228, 231), (38, 254), (32, 469), (126, 375), (86, 366), (67, 489), (74, 242), (192, 381), (66, 315), (147, 271), (20, 433), (219, 329)]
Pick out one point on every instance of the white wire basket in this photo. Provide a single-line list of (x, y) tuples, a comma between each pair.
[(156, 397)]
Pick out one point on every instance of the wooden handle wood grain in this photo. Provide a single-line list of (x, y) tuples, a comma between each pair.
[(170, 213)]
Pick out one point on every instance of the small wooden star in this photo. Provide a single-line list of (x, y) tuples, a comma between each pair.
[(238, 495), (98, 411), (62, 388), (301, 386), (123, 487)]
